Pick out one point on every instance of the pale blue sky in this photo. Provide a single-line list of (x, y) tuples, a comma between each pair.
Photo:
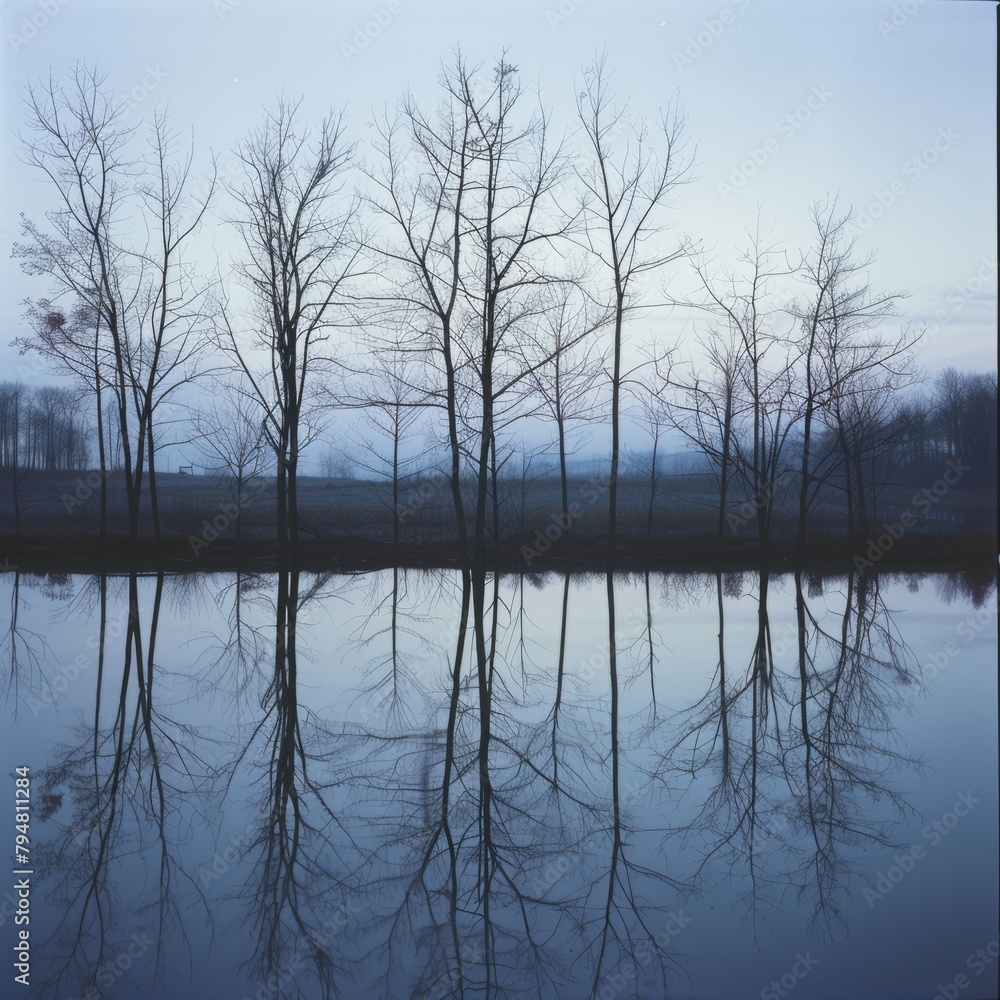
[(882, 93)]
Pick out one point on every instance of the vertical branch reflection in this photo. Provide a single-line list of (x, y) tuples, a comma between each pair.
[(296, 887), (789, 805), (25, 651), (845, 744), (119, 792), (560, 676), (495, 858)]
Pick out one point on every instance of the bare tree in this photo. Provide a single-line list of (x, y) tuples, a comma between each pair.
[(230, 438), (301, 253), (78, 140), (651, 415), (628, 190), (566, 383), (390, 399), (708, 411), (170, 311), (841, 349), (137, 294), (755, 362), (471, 194), (420, 188)]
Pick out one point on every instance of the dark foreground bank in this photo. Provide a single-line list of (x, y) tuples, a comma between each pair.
[(910, 553)]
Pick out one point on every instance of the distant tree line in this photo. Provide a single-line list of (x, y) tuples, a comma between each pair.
[(949, 415), (41, 427), (880, 436), (473, 271)]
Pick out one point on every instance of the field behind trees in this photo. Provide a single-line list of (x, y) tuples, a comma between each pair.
[(347, 520)]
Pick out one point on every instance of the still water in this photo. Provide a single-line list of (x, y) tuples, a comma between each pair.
[(254, 786)]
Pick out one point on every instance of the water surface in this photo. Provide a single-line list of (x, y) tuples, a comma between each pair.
[(279, 786)]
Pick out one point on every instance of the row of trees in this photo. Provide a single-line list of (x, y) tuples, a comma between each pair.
[(845, 449), (475, 272), (42, 427)]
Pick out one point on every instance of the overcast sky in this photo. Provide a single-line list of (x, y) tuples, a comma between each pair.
[(889, 106)]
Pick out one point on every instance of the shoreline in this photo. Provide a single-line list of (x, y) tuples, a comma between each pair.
[(38, 552)]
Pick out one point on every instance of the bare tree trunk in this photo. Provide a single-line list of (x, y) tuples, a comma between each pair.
[(153, 500), (563, 477), (299, 257), (101, 455), (652, 486), (395, 496), (727, 431), (616, 391)]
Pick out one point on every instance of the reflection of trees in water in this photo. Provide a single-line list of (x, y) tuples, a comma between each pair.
[(138, 784), (295, 890), (24, 651), (840, 760), (454, 851), (120, 802), (972, 586), (394, 675), (234, 659), (802, 744), (502, 855), (416, 847)]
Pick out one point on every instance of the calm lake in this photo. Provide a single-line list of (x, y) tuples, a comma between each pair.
[(789, 788)]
